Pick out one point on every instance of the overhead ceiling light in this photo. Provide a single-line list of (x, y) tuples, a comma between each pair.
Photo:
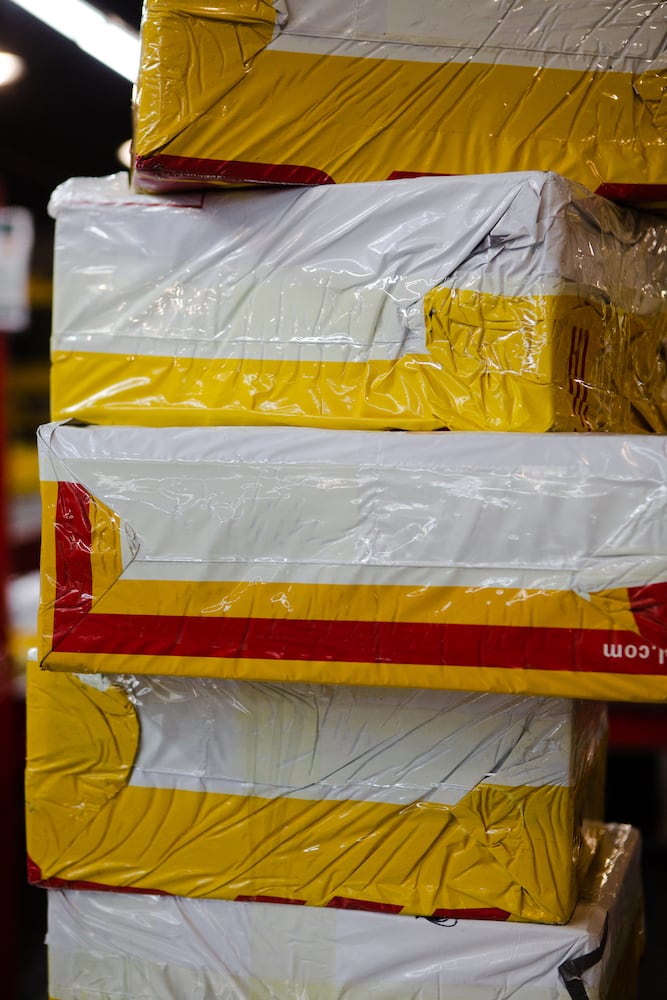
[(11, 68), (101, 36)]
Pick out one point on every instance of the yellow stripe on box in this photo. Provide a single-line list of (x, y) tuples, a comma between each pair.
[(166, 603), (553, 683), (528, 363), (361, 119), (421, 857), (105, 556), (316, 602)]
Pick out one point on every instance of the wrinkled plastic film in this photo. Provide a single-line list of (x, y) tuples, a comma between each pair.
[(508, 302), (514, 563), (175, 948), (332, 94), (401, 801)]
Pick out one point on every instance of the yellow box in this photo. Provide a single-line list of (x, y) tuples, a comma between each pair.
[(395, 800), (508, 302), (121, 946), (494, 562), (289, 92)]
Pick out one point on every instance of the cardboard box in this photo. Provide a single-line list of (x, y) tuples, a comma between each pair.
[(508, 302), (395, 800), (160, 948), (506, 562), (290, 92)]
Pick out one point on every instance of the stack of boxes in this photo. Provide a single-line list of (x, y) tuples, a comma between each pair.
[(304, 680)]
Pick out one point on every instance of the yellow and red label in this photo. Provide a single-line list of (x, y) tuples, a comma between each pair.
[(96, 819), (611, 644), (492, 362), (287, 95)]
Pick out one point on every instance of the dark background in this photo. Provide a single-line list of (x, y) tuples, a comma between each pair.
[(68, 113), (65, 117)]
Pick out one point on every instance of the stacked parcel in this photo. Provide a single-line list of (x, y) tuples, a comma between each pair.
[(506, 562), (290, 92), (509, 302), (259, 642), (396, 800), (158, 948)]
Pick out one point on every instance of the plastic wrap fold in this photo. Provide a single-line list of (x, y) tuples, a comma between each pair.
[(396, 800), (506, 562), (158, 948), (509, 302), (291, 92)]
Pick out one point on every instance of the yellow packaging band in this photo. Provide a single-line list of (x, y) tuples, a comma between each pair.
[(285, 93), (352, 811), (453, 386), (462, 561), (114, 945), (119, 945), (514, 302)]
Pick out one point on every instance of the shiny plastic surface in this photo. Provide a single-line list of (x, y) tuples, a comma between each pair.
[(160, 948), (509, 302), (292, 92), (396, 800), (506, 562)]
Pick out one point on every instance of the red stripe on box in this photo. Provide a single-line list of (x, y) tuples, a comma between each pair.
[(578, 386), (35, 878), (33, 870), (347, 903), (63, 883), (73, 544), (78, 630), (480, 913), (161, 170), (270, 899), (399, 175), (649, 608), (424, 643)]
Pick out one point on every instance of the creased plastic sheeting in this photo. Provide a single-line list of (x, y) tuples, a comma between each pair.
[(160, 948), (521, 563), (297, 93), (401, 801), (509, 302)]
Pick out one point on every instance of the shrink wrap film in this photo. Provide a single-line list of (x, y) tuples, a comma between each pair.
[(447, 804), (501, 562), (291, 92), (508, 302), (118, 947)]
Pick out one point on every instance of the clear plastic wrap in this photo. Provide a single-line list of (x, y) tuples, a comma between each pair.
[(508, 302), (395, 800), (291, 92), (122, 947), (503, 562)]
